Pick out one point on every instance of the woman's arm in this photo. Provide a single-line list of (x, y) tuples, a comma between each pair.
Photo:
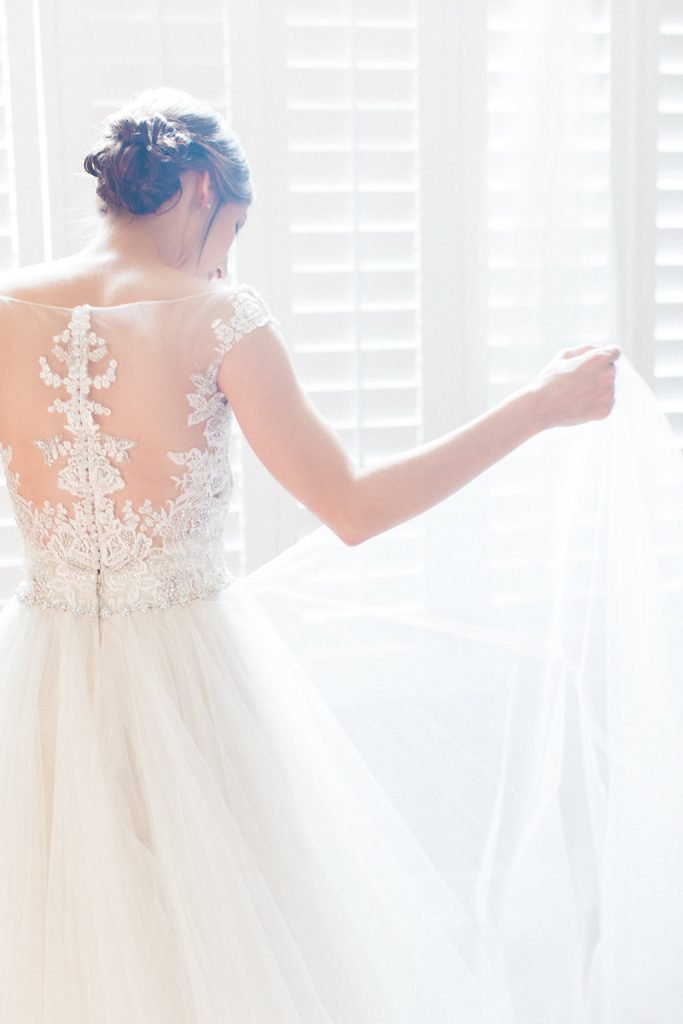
[(303, 453)]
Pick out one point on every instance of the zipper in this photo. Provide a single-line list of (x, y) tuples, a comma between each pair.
[(97, 593)]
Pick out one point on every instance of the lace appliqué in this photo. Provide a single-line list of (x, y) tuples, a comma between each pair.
[(88, 559)]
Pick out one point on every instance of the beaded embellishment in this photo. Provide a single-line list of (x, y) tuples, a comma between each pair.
[(88, 559)]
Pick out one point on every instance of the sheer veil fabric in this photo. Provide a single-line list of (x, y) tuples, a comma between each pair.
[(523, 710), (508, 665)]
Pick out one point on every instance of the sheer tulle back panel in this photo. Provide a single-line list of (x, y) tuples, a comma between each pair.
[(135, 382)]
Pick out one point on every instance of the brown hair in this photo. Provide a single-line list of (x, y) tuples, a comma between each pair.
[(152, 140)]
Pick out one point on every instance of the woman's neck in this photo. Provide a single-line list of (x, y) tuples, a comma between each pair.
[(153, 244)]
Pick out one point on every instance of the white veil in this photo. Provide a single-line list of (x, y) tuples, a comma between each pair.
[(522, 709), (508, 664)]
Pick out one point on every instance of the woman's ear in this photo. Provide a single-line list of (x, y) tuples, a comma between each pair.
[(203, 188)]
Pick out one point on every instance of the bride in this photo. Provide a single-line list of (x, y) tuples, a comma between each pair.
[(202, 820)]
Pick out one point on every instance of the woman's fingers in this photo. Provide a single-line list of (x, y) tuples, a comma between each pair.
[(613, 351)]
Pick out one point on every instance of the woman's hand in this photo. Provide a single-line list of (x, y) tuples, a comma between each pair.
[(577, 385)]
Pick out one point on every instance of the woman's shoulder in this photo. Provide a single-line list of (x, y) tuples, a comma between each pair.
[(26, 282), (69, 283), (74, 281), (213, 309)]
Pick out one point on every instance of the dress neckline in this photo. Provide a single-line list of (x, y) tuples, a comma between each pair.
[(118, 305)]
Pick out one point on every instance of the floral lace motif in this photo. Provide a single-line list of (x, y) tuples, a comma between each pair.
[(91, 561)]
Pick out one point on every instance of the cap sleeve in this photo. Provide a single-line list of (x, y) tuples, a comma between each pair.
[(248, 312)]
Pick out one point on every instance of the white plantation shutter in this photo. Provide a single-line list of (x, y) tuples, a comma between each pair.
[(352, 91), (10, 540), (353, 316), (8, 218), (452, 94), (668, 225)]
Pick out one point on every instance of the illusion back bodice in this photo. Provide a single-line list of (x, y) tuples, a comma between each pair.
[(114, 438)]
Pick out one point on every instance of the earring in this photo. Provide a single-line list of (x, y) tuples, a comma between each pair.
[(209, 205)]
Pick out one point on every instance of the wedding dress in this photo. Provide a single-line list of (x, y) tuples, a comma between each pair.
[(432, 779)]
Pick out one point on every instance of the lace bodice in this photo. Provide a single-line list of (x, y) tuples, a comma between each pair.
[(113, 521)]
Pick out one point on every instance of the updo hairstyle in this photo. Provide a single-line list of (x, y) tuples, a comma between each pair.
[(150, 142)]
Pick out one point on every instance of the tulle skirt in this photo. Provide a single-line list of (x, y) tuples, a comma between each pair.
[(433, 779)]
